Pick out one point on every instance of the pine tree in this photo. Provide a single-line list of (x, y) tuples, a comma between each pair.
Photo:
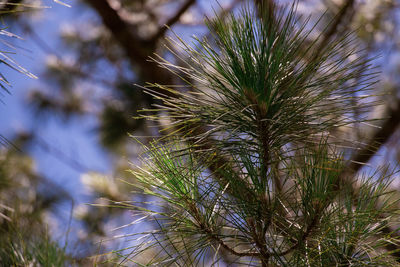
[(253, 170)]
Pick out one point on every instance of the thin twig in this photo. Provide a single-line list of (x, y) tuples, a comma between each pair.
[(204, 227)]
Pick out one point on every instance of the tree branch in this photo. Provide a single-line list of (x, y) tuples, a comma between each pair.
[(333, 26), (174, 19), (266, 9), (205, 227), (231, 250), (136, 49), (119, 28), (377, 140)]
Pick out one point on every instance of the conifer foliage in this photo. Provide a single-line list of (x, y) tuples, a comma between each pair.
[(252, 171)]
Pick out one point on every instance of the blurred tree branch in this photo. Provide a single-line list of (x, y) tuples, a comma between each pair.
[(332, 28), (137, 49), (378, 139), (174, 19)]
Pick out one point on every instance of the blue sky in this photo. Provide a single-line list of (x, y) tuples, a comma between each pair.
[(74, 138)]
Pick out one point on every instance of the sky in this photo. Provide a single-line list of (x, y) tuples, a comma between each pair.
[(66, 149), (67, 141)]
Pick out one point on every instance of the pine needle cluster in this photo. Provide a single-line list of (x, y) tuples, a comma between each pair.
[(250, 172)]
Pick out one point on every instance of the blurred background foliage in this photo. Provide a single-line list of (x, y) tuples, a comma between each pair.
[(91, 71)]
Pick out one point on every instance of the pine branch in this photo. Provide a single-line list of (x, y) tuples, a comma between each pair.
[(152, 73), (264, 108), (204, 227)]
